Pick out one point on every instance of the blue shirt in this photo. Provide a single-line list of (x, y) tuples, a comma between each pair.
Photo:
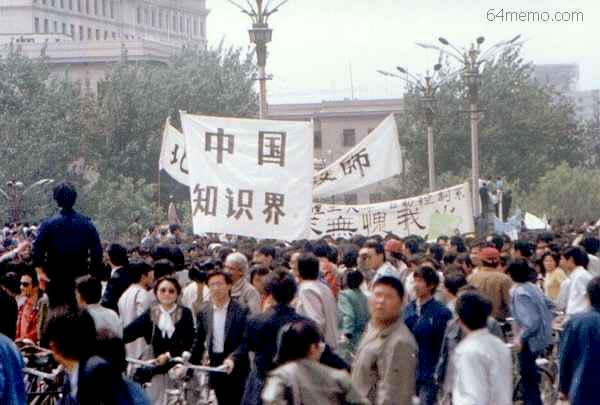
[(12, 387), (580, 357), (428, 326), (532, 313)]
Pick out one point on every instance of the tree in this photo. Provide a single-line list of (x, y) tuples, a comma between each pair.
[(525, 131)]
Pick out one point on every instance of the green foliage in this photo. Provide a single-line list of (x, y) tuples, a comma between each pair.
[(565, 193), (108, 142)]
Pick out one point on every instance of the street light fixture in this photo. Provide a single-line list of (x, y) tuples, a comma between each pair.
[(427, 87), (471, 62), (260, 35)]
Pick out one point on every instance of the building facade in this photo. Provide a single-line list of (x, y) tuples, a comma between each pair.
[(87, 34), (338, 127)]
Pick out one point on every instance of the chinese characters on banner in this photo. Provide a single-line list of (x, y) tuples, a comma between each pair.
[(377, 157), (250, 177), (441, 212), (173, 156)]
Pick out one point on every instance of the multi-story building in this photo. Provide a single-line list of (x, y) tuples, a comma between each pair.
[(87, 34), (563, 77), (339, 126)]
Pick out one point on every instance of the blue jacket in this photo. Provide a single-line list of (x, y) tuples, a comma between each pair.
[(532, 313), (12, 387), (428, 329), (580, 358)]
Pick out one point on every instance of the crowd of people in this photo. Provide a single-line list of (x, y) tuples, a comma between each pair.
[(365, 320)]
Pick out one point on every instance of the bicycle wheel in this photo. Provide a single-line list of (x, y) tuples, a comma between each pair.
[(548, 387)]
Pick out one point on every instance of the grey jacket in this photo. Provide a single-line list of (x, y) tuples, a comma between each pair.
[(307, 382)]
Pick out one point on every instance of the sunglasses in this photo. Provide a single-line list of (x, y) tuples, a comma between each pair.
[(167, 290)]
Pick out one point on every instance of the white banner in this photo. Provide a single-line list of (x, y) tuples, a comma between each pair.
[(250, 177), (377, 157), (442, 212), (173, 156)]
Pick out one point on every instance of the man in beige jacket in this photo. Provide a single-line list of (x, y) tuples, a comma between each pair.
[(384, 368)]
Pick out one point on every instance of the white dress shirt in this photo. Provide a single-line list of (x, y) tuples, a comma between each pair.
[(594, 265), (105, 318), (219, 319), (577, 300), (134, 302), (483, 367)]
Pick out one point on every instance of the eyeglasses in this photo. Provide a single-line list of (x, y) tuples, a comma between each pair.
[(167, 290), (25, 283)]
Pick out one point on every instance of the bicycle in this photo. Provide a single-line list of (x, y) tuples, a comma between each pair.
[(42, 376)]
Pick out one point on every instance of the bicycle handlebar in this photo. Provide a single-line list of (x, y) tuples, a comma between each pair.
[(46, 376)]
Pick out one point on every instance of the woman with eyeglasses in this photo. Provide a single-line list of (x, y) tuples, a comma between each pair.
[(300, 378), (168, 328)]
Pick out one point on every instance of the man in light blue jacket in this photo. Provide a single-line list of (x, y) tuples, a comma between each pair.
[(12, 387)]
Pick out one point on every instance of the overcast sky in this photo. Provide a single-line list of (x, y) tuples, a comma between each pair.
[(316, 41)]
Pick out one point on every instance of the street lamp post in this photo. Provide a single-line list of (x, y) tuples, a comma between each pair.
[(15, 192), (471, 61), (260, 36), (427, 88)]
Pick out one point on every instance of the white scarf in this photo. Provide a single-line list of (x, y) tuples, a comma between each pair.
[(165, 322)]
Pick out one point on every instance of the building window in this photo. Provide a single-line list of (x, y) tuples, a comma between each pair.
[(79, 5), (45, 25), (97, 35), (175, 23), (350, 199), (73, 32), (105, 35), (160, 18), (114, 35), (62, 3), (44, 2), (89, 37), (195, 27), (53, 3), (103, 8), (36, 25), (349, 137), (95, 7), (87, 6), (318, 140), (139, 15), (375, 197), (70, 4), (81, 37), (112, 10), (64, 28), (55, 25), (181, 24), (146, 17), (154, 18)]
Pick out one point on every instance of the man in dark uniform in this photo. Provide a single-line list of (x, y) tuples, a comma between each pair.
[(67, 246)]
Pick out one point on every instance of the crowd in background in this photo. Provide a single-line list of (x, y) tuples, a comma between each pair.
[(363, 320)]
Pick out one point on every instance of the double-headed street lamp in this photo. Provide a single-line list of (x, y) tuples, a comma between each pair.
[(427, 88), (15, 192), (471, 61), (260, 36)]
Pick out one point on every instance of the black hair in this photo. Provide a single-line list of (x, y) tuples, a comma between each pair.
[(459, 243), (321, 249), (593, 292), (112, 349), (258, 270), (545, 237), (437, 252), (217, 273), (138, 269), (174, 227), (473, 309), (591, 245), (31, 273), (442, 237), (354, 279), (89, 289), (163, 267), (11, 281), (376, 246), (197, 274), (65, 195), (350, 258), (578, 255), (449, 258), (295, 339), (498, 242), (454, 282), (73, 333), (117, 255), (524, 247), (392, 282), (267, 251), (555, 256), (308, 266), (171, 280), (281, 286), (519, 270), (429, 275)]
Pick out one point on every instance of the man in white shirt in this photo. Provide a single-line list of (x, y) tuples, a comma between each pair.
[(88, 293), (591, 245), (315, 299), (482, 362), (135, 301), (574, 261), (377, 261)]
